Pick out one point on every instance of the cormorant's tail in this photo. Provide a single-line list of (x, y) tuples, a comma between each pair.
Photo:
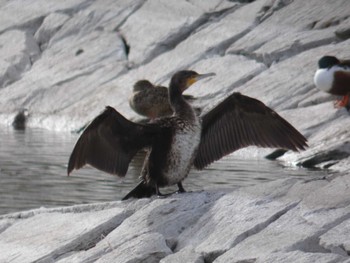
[(141, 190)]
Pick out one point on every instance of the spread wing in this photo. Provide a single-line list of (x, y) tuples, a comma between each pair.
[(110, 142), (240, 121)]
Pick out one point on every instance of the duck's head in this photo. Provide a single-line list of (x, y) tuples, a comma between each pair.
[(328, 62), (182, 80), (142, 85)]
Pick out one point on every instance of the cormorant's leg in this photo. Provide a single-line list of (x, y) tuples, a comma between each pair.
[(157, 190), (159, 194), (181, 188)]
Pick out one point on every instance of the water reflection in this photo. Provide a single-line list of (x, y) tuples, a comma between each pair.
[(33, 173)]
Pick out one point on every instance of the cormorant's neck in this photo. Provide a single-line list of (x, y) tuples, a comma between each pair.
[(179, 105)]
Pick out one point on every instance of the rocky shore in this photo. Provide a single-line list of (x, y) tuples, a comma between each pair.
[(64, 61)]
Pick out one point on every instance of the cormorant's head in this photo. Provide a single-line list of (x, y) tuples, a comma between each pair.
[(328, 62), (185, 78), (142, 85)]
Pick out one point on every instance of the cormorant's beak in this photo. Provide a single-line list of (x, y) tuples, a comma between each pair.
[(202, 76), (198, 77)]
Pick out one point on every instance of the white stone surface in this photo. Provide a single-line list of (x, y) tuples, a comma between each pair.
[(158, 37), (291, 28), (53, 234), (28, 15), (18, 51), (185, 255), (300, 257), (283, 220), (51, 24), (336, 240), (66, 60)]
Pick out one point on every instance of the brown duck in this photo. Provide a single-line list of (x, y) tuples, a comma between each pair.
[(152, 101)]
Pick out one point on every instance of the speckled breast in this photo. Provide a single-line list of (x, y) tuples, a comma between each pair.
[(184, 146)]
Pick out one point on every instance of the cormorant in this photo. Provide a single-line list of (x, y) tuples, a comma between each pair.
[(152, 101), (333, 76), (177, 142)]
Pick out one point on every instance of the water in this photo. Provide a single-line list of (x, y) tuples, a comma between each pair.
[(33, 168)]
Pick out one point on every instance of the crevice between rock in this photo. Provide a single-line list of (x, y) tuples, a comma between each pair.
[(242, 81), (111, 248), (69, 209), (100, 254), (183, 33), (87, 240), (77, 76), (269, 9), (324, 157), (203, 101), (220, 50), (246, 261), (199, 24), (210, 257), (136, 7), (74, 9), (337, 249), (312, 244), (6, 225), (296, 48), (30, 26), (275, 57), (170, 242)]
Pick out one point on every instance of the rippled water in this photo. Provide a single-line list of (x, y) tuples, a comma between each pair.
[(33, 173)]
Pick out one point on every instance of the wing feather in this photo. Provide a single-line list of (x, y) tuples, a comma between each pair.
[(240, 121), (110, 142)]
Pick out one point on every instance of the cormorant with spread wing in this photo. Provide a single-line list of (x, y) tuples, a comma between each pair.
[(177, 142)]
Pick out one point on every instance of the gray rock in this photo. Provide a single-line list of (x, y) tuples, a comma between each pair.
[(187, 254), (336, 239), (301, 227), (264, 49), (343, 30), (291, 28), (182, 19), (18, 51), (168, 217), (148, 248), (51, 24), (300, 257), (21, 14), (277, 221), (206, 41), (101, 15), (52, 85), (52, 234)]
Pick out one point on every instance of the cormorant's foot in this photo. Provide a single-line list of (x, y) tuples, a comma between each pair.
[(159, 195), (169, 194), (179, 192)]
